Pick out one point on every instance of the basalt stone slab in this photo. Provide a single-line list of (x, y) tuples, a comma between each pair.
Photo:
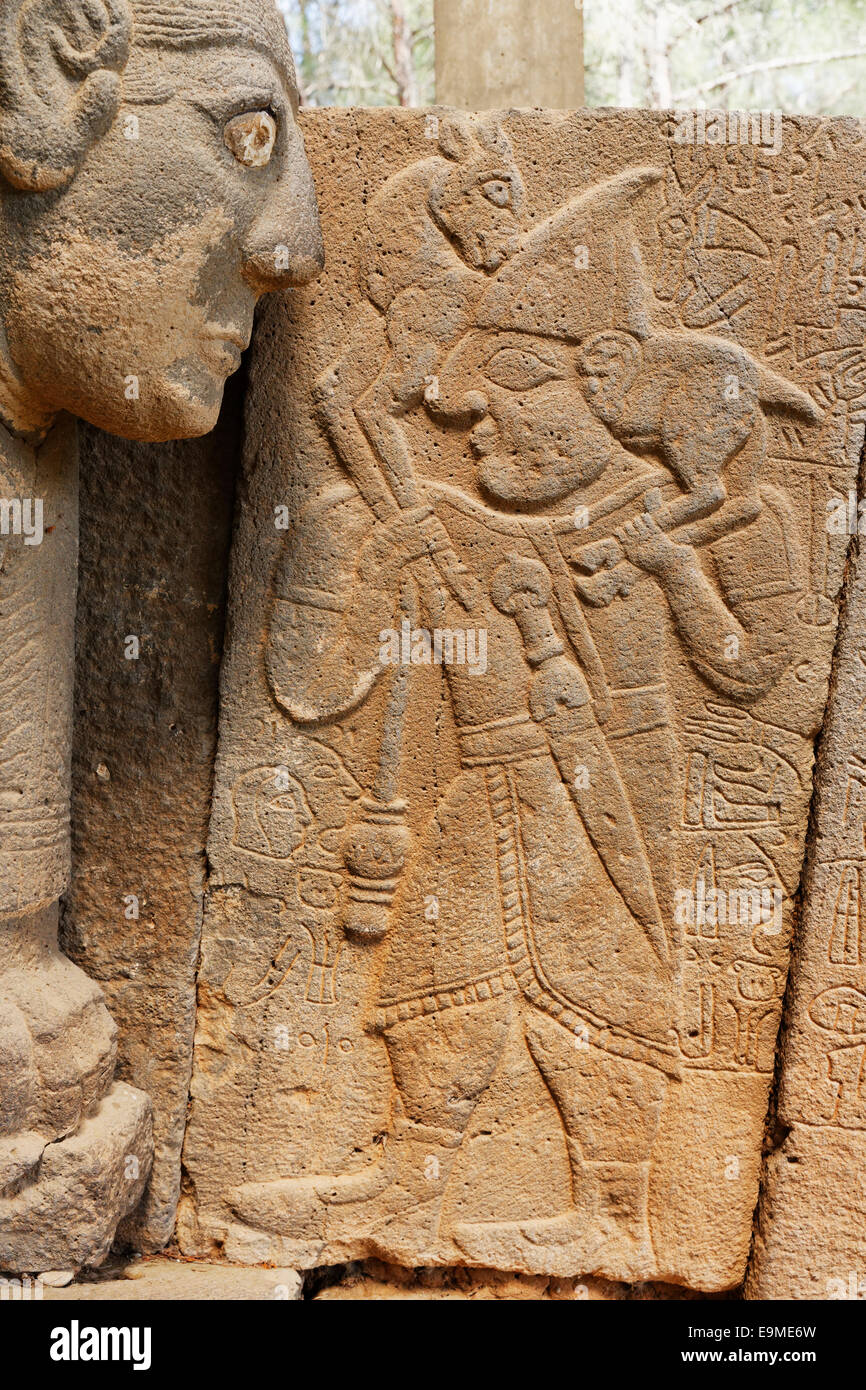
[(811, 1235), (154, 565), (532, 611)]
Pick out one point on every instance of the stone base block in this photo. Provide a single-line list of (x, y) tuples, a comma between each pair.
[(66, 1209)]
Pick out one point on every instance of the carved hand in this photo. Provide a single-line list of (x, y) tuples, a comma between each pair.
[(396, 543), (647, 546)]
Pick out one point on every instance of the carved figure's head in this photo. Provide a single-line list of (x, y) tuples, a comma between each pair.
[(153, 185), (477, 196), (519, 378), (271, 813), (533, 437)]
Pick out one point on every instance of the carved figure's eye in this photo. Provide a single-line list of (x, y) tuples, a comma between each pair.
[(251, 138), (520, 370), (498, 192)]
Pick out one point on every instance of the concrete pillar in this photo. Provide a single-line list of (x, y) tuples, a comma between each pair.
[(502, 53)]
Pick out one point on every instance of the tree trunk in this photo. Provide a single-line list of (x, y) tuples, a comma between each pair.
[(404, 67)]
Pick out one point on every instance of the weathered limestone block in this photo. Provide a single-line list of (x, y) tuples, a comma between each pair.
[(532, 610), (153, 185), (811, 1235)]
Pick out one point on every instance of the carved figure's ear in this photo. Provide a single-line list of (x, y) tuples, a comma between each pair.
[(492, 138), (456, 138), (608, 363), (61, 63)]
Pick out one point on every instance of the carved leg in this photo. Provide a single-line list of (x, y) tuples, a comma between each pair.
[(442, 1065), (610, 1111)]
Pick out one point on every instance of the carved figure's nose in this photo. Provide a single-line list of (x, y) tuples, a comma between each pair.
[(456, 404)]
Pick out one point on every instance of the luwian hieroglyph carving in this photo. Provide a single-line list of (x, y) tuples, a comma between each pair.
[(813, 1187), (517, 740), (152, 186)]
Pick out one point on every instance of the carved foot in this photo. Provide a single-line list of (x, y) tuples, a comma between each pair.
[(555, 1245), (390, 1209), (64, 1205), (299, 1207), (606, 1235), (561, 1246)]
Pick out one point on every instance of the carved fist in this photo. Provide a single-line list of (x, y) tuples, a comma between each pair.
[(519, 582), (647, 546), (407, 537)]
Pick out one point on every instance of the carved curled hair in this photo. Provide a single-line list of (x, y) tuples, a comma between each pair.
[(62, 65), (60, 72), (187, 23)]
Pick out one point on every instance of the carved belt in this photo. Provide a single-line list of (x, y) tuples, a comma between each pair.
[(449, 997), (511, 740), (638, 711)]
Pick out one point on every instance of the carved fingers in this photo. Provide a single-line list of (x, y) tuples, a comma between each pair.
[(407, 537), (721, 723), (646, 545)]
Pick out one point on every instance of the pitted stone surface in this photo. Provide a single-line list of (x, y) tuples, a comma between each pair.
[(133, 915), (811, 1230), (532, 611)]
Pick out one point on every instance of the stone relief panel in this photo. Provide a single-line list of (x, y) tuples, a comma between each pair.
[(533, 603)]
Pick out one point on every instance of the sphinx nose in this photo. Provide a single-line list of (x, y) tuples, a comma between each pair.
[(285, 247)]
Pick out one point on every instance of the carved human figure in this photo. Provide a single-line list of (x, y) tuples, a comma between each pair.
[(153, 185), (549, 854)]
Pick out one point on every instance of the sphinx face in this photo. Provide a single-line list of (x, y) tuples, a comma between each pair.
[(128, 298)]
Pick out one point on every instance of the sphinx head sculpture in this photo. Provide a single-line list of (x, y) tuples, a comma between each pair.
[(153, 185)]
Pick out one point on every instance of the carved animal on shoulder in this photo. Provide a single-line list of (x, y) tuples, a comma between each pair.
[(436, 231), (698, 403)]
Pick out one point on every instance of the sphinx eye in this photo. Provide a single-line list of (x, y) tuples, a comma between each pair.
[(497, 192), (519, 370), (251, 138)]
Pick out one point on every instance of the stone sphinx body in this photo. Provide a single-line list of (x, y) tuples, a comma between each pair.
[(153, 186)]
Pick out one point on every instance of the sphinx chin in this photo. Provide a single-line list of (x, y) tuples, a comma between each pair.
[(182, 415), (183, 405)]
